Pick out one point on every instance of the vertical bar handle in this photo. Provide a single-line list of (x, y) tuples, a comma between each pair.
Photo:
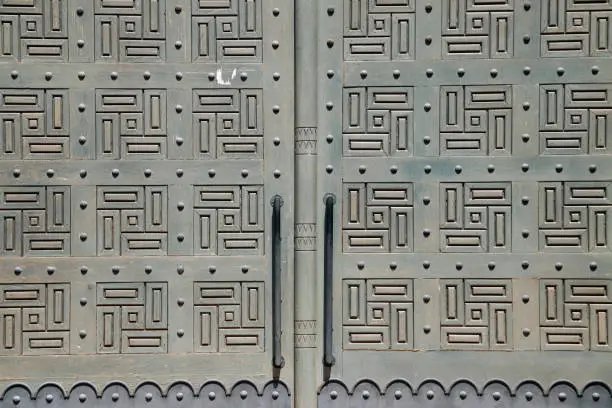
[(328, 282), (277, 357)]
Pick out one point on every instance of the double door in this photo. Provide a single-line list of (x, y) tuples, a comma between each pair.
[(334, 203)]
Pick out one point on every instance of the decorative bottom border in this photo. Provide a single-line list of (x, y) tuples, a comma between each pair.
[(180, 394), (463, 393)]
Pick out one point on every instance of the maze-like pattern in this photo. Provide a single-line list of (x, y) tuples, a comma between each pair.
[(379, 30), (34, 30), (130, 30), (378, 121), (131, 124), (227, 31), (476, 314), (229, 317), (229, 220), (576, 28), (35, 319), (476, 120), (576, 314), (574, 216), (475, 217), (132, 220), (377, 217), (132, 317), (34, 221), (228, 123), (34, 124), (575, 119), (378, 314), (477, 28)]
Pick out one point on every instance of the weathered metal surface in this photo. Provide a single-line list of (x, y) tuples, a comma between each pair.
[(467, 143), (140, 144)]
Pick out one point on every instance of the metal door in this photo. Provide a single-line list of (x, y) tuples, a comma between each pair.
[(467, 144), (141, 145)]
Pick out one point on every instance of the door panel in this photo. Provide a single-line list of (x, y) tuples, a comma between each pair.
[(134, 196), (466, 145)]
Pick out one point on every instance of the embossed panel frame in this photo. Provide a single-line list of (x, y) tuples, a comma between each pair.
[(466, 144), (141, 143)]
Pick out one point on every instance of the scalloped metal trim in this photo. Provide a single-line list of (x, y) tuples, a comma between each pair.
[(462, 392)]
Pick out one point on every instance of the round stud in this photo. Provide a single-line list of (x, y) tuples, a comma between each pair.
[(180, 396), (14, 74), (83, 301), (275, 12), (330, 11), (115, 270), (276, 141), (560, 71), (426, 140), (426, 264), (528, 394), (460, 72), (275, 395), (146, 75), (179, 141), (593, 266), (178, 76), (80, 11), (243, 394), (365, 395), (276, 76), (428, 40), (558, 168), (594, 70), (180, 269), (244, 76), (462, 394), (393, 169), (330, 43), (526, 39), (427, 330), (426, 233), (178, 109), (148, 173), (180, 302), (48, 76), (80, 43), (525, 234), (148, 269), (562, 396), (179, 172), (275, 44), (81, 75), (148, 397), (393, 266), (595, 396), (212, 269), (491, 265), (558, 266), (525, 167), (458, 266), (525, 137), (496, 396), (178, 45), (16, 399), (526, 106), (275, 109), (115, 397), (398, 394), (429, 72), (115, 173), (396, 73), (333, 395), (592, 168), (82, 397), (426, 298), (329, 169), (427, 169), (360, 265), (525, 299), (180, 332), (211, 76), (493, 73), (525, 200), (50, 173), (83, 173), (211, 173), (17, 271), (527, 6), (82, 140), (458, 169), (178, 9), (244, 173), (244, 268), (491, 168), (83, 236), (430, 395), (82, 334), (84, 270), (363, 74), (527, 70), (426, 200), (180, 237), (525, 265), (277, 173), (362, 169), (211, 396), (114, 75), (16, 173), (330, 73), (329, 105), (427, 107)]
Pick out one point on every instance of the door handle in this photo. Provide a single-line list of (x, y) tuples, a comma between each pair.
[(328, 282), (277, 357)]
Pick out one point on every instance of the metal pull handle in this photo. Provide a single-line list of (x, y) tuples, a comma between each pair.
[(277, 358), (328, 273)]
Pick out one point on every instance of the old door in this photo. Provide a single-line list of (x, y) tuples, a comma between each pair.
[(472, 180), (142, 143)]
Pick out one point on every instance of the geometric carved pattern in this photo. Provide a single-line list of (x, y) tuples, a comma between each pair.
[(130, 31), (475, 217), (378, 314), (575, 216), (132, 317), (576, 314), (34, 30), (229, 317), (227, 31), (228, 123), (131, 124), (476, 314), (132, 220), (379, 30), (35, 221), (34, 124), (378, 121), (576, 28), (477, 28), (377, 217), (475, 120), (575, 119), (229, 220), (34, 319)]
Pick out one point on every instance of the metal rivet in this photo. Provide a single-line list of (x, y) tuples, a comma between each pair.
[(114, 75), (178, 9), (427, 169), (180, 269), (525, 167), (560, 71), (458, 266), (179, 141), (179, 396), (527, 6), (84, 270), (365, 395), (458, 169), (393, 266), (275, 44), (179, 172), (496, 396), (244, 76), (180, 332), (462, 394), (115, 397), (180, 302), (115, 269), (593, 266), (426, 264), (83, 205), (360, 265), (212, 269), (429, 72), (211, 76), (426, 298), (428, 40), (333, 395), (275, 12), (212, 173), (562, 396), (83, 236), (525, 298), (430, 394), (330, 43), (526, 70), (426, 200), (82, 334), (81, 75), (460, 72), (82, 397), (244, 268), (329, 138), (363, 74), (526, 106), (592, 168), (244, 173), (16, 173), (276, 141), (82, 140), (178, 76), (528, 395), (148, 269), (276, 109), (16, 399), (330, 73), (178, 108), (83, 301), (428, 8), (48, 76), (275, 395), (277, 173), (426, 140), (178, 45), (49, 398), (525, 137), (330, 11), (211, 396), (276, 76), (148, 172), (80, 43), (362, 169), (558, 168), (595, 396), (329, 106), (558, 266), (17, 271), (146, 75), (525, 200), (427, 107), (243, 394), (329, 168), (427, 329), (393, 169), (491, 265), (80, 11), (14, 74), (525, 234), (595, 70), (426, 233), (493, 73), (148, 396), (526, 39), (83, 173), (115, 173), (491, 168), (50, 173), (398, 394), (525, 265)]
